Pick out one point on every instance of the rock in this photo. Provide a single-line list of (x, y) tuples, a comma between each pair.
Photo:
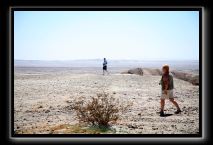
[(154, 128), (192, 78), (40, 106), (133, 127), (69, 101), (28, 111), (47, 111), (143, 71), (154, 72), (140, 127), (195, 80), (138, 71), (189, 77)]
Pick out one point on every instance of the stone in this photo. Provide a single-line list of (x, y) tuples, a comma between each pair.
[(47, 111)]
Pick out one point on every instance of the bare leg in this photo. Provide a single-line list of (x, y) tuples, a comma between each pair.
[(175, 103), (162, 104)]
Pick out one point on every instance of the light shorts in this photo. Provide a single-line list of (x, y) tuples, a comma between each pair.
[(169, 94)]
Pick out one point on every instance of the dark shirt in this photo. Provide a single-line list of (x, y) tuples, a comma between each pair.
[(171, 83)]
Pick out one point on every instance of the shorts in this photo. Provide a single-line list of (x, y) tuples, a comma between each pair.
[(104, 67), (169, 94)]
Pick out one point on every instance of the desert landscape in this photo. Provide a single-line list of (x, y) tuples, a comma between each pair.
[(42, 96)]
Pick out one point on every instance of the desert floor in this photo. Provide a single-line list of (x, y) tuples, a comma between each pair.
[(42, 97)]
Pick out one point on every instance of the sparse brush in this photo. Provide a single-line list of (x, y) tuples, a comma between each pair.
[(99, 110)]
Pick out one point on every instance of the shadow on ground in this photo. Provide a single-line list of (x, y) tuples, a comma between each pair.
[(166, 115)]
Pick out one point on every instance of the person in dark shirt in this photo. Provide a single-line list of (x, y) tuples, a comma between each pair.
[(167, 87), (105, 66)]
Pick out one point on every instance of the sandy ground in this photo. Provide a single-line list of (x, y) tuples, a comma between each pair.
[(42, 97)]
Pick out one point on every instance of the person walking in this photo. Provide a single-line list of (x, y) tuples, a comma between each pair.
[(167, 90), (105, 66)]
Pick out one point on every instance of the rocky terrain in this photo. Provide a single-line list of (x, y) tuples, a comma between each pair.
[(42, 97)]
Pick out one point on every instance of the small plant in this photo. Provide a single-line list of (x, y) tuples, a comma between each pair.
[(99, 110)]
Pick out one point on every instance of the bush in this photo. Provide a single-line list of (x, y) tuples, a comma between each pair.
[(99, 110)]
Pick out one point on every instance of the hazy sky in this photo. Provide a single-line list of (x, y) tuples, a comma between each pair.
[(67, 35)]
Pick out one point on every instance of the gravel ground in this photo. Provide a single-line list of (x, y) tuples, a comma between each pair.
[(42, 97)]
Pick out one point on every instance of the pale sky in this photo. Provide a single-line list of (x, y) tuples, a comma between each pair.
[(141, 35)]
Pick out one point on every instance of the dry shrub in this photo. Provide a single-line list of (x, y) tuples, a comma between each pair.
[(99, 110)]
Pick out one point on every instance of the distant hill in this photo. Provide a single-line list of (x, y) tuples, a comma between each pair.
[(186, 76), (191, 65)]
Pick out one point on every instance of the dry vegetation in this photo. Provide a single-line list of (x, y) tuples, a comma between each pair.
[(99, 110)]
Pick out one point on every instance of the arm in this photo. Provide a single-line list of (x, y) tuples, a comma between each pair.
[(160, 82)]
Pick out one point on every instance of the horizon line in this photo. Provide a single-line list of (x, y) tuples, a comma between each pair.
[(108, 59)]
